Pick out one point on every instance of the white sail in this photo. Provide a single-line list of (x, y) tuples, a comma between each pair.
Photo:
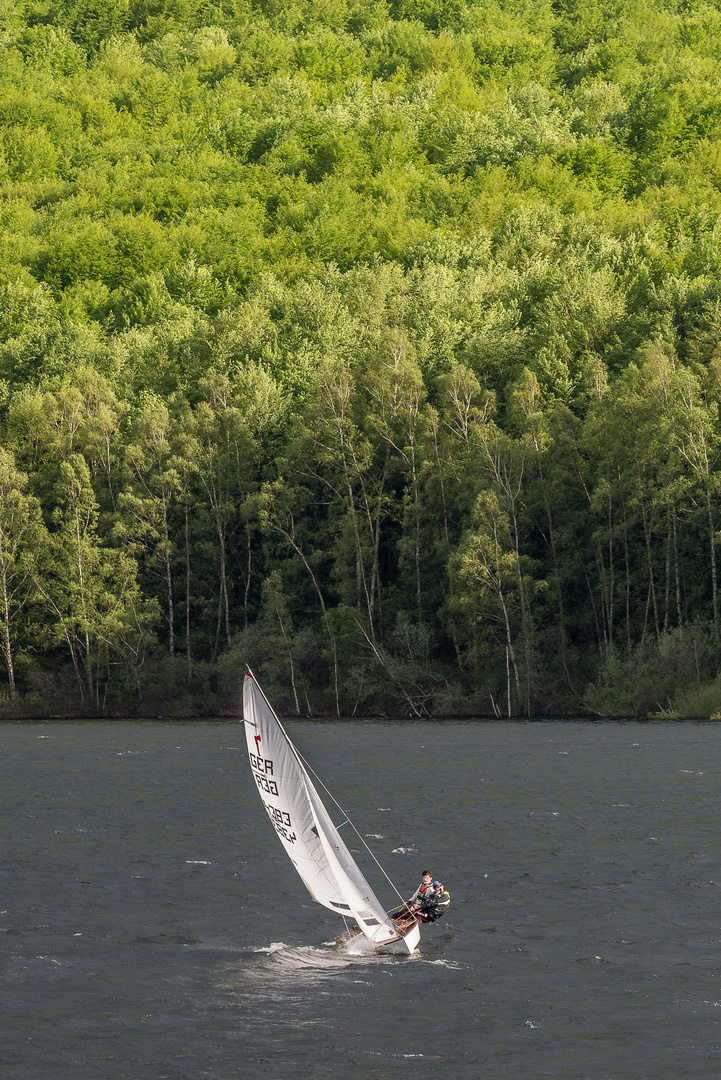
[(303, 824)]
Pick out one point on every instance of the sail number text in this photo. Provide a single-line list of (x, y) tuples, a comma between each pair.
[(282, 822), (261, 764), (262, 769), (265, 784)]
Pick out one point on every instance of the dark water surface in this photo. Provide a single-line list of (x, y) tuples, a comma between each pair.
[(152, 928)]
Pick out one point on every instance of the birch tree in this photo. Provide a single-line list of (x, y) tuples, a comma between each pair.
[(21, 536), (484, 573), (155, 480), (90, 591)]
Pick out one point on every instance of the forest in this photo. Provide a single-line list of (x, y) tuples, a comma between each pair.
[(375, 344)]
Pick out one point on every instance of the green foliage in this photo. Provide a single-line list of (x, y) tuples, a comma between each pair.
[(659, 676), (377, 343)]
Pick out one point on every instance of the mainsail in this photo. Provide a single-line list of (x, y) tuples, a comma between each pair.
[(303, 824)]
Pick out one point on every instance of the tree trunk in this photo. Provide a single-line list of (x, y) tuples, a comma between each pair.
[(7, 647), (290, 658), (712, 539), (169, 582), (676, 570), (651, 581), (187, 596)]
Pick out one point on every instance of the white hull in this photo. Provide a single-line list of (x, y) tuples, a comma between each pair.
[(404, 945)]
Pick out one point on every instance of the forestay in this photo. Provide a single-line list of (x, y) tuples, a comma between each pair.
[(304, 827)]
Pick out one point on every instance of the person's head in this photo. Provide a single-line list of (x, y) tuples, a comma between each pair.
[(438, 886), (426, 877)]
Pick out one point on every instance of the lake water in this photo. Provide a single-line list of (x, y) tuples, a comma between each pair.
[(152, 927)]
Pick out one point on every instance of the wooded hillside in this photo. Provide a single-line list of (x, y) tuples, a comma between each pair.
[(375, 345)]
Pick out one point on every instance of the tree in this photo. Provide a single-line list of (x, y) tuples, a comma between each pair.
[(528, 401), (91, 591), (156, 479), (697, 443), (485, 575), (277, 510), (222, 451), (21, 537), (400, 416), (333, 451)]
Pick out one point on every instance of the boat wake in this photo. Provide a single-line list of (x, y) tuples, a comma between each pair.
[(357, 946), (313, 957)]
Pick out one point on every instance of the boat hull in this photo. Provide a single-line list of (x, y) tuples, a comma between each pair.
[(405, 944)]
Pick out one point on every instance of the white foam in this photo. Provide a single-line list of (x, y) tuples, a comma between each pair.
[(358, 946), (275, 946)]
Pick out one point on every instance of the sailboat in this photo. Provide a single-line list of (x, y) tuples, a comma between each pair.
[(306, 831)]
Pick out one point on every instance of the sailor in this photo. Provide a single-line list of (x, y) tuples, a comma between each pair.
[(426, 886), (434, 903), (413, 905)]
